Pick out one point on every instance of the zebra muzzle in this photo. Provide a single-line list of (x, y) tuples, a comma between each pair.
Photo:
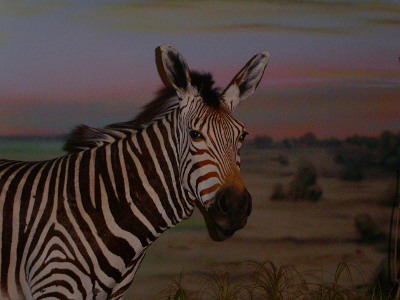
[(228, 213)]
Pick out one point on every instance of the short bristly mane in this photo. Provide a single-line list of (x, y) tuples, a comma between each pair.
[(84, 137), (166, 100)]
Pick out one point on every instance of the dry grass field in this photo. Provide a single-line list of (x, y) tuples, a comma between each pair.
[(312, 237)]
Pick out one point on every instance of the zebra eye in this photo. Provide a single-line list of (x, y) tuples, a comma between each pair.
[(243, 136), (196, 135)]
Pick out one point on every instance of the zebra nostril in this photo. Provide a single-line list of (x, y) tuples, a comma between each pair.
[(222, 204)]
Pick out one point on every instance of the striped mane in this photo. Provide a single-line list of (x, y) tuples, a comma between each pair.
[(84, 137)]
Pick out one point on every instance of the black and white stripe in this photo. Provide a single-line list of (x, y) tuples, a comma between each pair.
[(77, 227)]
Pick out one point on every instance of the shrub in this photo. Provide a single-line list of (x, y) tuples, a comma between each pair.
[(389, 150), (313, 193), (302, 187), (304, 184), (282, 159), (278, 192), (368, 229), (353, 158), (306, 174)]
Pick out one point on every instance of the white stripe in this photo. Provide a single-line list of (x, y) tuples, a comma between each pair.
[(149, 189), (59, 227), (117, 231), (91, 177), (37, 291), (111, 257), (77, 253), (169, 163), (32, 199), (2, 202), (15, 235), (160, 173), (52, 218), (38, 218), (128, 194), (136, 144), (99, 273)]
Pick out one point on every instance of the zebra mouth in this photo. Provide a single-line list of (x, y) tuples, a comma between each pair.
[(215, 231), (223, 234)]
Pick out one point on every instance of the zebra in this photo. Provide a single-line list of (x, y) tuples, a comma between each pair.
[(78, 226)]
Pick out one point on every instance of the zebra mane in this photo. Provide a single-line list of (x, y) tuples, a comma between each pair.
[(84, 137)]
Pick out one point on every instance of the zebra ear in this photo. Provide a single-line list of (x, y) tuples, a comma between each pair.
[(246, 81), (176, 71)]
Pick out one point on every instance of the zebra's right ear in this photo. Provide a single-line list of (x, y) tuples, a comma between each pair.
[(246, 81), (175, 70)]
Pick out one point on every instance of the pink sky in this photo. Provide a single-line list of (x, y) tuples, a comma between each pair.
[(333, 69)]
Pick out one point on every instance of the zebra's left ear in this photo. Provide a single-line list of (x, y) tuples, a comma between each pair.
[(176, 71), (246, 81)]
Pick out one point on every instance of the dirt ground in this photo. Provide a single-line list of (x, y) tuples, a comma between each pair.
[(313, 237)]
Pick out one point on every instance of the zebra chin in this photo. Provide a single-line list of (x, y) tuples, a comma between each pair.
[(228, 212)]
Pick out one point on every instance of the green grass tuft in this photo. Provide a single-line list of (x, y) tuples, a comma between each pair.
[(265, 280)]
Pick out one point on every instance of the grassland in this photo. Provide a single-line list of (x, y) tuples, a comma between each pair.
[(313, 238)]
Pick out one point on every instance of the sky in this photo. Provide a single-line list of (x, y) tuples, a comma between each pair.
[(334, 66)]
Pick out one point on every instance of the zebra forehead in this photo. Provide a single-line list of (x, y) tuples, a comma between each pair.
[(215, 119)]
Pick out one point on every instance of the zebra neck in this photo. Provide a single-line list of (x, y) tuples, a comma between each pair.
[(136, 184)]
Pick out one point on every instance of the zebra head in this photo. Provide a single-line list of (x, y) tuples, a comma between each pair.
[(210, 140)]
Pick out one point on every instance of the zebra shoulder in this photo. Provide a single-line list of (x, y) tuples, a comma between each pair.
[(84, 137)]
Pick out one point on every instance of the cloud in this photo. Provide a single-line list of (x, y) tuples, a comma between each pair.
[(280, 28), (385, 22), (28, 8), (216, 17)]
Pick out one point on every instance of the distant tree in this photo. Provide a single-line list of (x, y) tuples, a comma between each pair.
[(370, 142), (358, 153), (390, 150), (389, 141), (354, 139), (308, 138), (263, 142), (331, 142), (289, 143)]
